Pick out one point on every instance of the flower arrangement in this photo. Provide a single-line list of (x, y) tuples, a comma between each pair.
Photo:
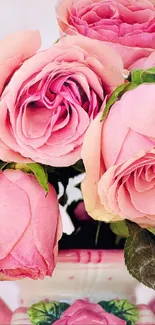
[(82, 109)]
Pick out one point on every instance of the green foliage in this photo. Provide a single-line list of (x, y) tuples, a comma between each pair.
[(41, 174), (122, 309), (44, 313), (139, 254), (120, 229)]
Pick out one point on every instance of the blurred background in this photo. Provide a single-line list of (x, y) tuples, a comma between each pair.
[(29, 14)]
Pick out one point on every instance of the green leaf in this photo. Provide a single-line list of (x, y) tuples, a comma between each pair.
[(21, 166), (44, 313), (137, 77), (139, 253), (116, 95), (117, 240), (122, 309), (3, 164), (41, 174), (98, 232), (120, 229), (140, 76), (38, 170), (79, 166), (151, 230)]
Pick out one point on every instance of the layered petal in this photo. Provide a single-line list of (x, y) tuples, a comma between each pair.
[(141, 117), (94, 166), (12, 227), (128, 28), (53, 97), (14, 49), (126, 189)]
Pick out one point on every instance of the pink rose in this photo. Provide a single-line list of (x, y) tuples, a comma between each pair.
[(129, 26), (29, 229), (120, 163), (50, 101), (80, 212), (14, 49), (5, 313), (82, 312)]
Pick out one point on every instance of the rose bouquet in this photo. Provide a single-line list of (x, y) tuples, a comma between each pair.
[(81, 113)]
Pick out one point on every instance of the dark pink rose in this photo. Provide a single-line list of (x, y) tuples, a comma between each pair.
[(80, 213), (29, 227), (129, 26)]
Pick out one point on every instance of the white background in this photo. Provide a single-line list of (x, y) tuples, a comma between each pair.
[(29, 14)]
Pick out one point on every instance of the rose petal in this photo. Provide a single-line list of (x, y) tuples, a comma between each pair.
[(141, 118), (14, 49), (113, 135), (143, 201), (46, 240), (133, 144), (91, 158), (10, 213), (128, 210)]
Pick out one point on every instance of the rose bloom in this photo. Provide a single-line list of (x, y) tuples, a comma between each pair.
[(51, 99), (120, 163), (29, 229), (83, 312), (129, 26)]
